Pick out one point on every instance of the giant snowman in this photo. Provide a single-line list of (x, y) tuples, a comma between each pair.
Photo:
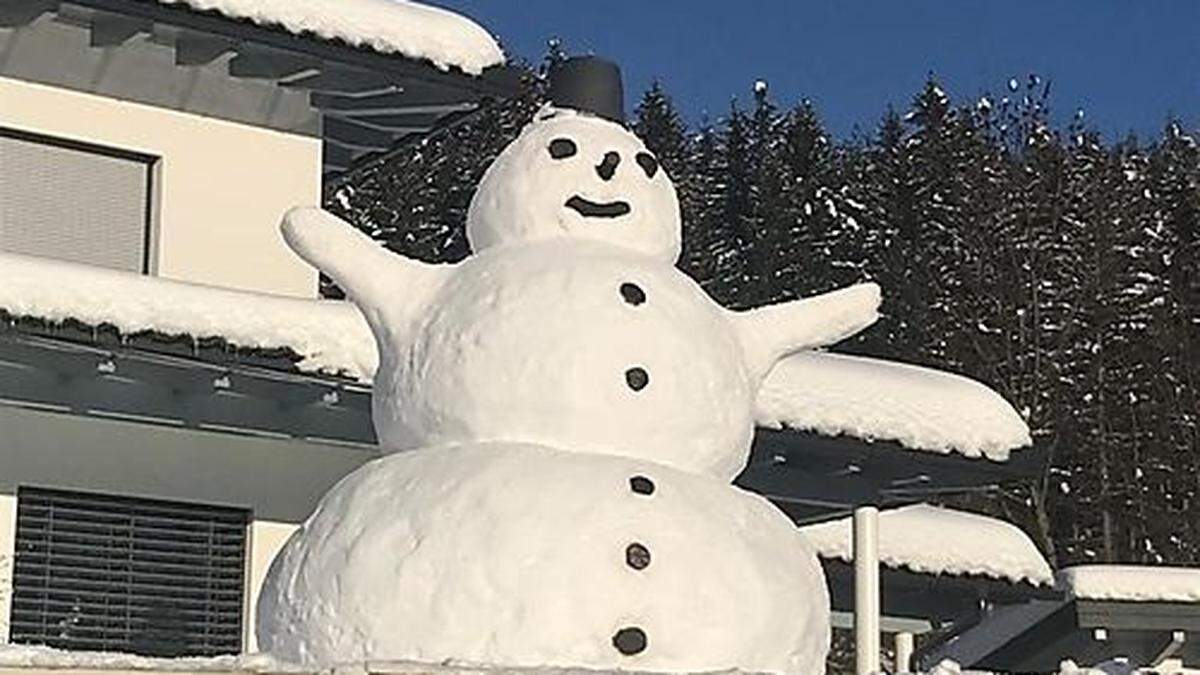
[(566, 412)]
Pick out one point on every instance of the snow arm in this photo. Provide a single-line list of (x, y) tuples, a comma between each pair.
[(388, 288), (770, 333)]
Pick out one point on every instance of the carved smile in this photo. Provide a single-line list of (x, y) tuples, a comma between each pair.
[(589, 209)]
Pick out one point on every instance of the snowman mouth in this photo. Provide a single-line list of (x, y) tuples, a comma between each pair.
[(590, 209)]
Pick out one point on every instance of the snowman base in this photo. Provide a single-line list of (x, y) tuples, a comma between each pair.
[(516, 555)]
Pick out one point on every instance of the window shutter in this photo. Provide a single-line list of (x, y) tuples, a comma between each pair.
[(73, 202), (110, 573)]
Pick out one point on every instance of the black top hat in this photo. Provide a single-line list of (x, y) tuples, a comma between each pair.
[(588, 84)]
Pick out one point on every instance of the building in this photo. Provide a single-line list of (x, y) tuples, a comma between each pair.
[(179, 135), (156, 443)]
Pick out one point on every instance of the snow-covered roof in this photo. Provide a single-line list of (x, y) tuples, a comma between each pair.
[(933, 540), (922, 409), (1141, 583), (388, 26), (827, 393), (329, 337)]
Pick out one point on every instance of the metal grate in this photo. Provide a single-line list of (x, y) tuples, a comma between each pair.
[(110, 573)]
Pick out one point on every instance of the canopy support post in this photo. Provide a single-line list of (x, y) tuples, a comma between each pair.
[(866, 590), (904, 652)]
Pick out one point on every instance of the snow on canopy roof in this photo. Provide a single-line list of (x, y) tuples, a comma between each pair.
[(922, 409), (831, 394), (388, 26), (1141, 583), (932, 540), (329, 336)]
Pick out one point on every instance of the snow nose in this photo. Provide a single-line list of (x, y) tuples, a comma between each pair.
[(608, 168)]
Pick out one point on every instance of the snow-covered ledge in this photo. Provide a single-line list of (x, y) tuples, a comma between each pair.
[(919, 408), (1131, 583), (328, 336), (417, 31), (938, 541)]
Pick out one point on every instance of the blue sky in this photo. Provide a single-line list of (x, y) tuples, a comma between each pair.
[(1127, 64)]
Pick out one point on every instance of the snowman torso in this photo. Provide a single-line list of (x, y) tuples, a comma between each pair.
[(574, 345), (511, 554)]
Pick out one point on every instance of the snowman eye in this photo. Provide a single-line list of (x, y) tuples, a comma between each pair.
[(562, 148), (648, 163)]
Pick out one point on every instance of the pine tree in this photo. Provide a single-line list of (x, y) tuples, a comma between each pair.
[(707, 238), (880, 187), (733, 282), (941, 164), (1172, 473), (815, 228), (766, 220), (658, 124)]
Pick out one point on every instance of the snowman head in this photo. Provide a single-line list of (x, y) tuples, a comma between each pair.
[(574, 175)]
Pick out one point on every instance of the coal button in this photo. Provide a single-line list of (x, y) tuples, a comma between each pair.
[(633, 294), (630, 641), (637, 378), (637, 556), (641, 485)]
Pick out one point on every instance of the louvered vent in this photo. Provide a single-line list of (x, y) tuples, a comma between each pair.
[(109, 573)]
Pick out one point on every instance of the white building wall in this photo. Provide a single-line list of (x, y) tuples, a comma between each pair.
[(266, 538), (222, 187), (8, 531)]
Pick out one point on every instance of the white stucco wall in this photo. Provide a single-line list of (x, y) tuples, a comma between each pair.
[(266, 538), (8, 532), (222, 187)]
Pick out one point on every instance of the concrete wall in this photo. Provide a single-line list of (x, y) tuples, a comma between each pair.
[(222, 187)]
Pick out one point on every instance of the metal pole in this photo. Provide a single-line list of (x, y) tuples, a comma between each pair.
[(904, 652), (866, 590)]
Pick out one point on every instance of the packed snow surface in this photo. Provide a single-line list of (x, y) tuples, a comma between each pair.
[(1143, 583), (572, 175), (36, 656), (518, 555), (329, 336), (574, 344), (922, 409), (1065, 668), (47, 658), (389, 26), (934, 540), (29, 656)]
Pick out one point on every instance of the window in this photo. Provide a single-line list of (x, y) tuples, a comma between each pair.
[(110, 573), (73, 201)]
